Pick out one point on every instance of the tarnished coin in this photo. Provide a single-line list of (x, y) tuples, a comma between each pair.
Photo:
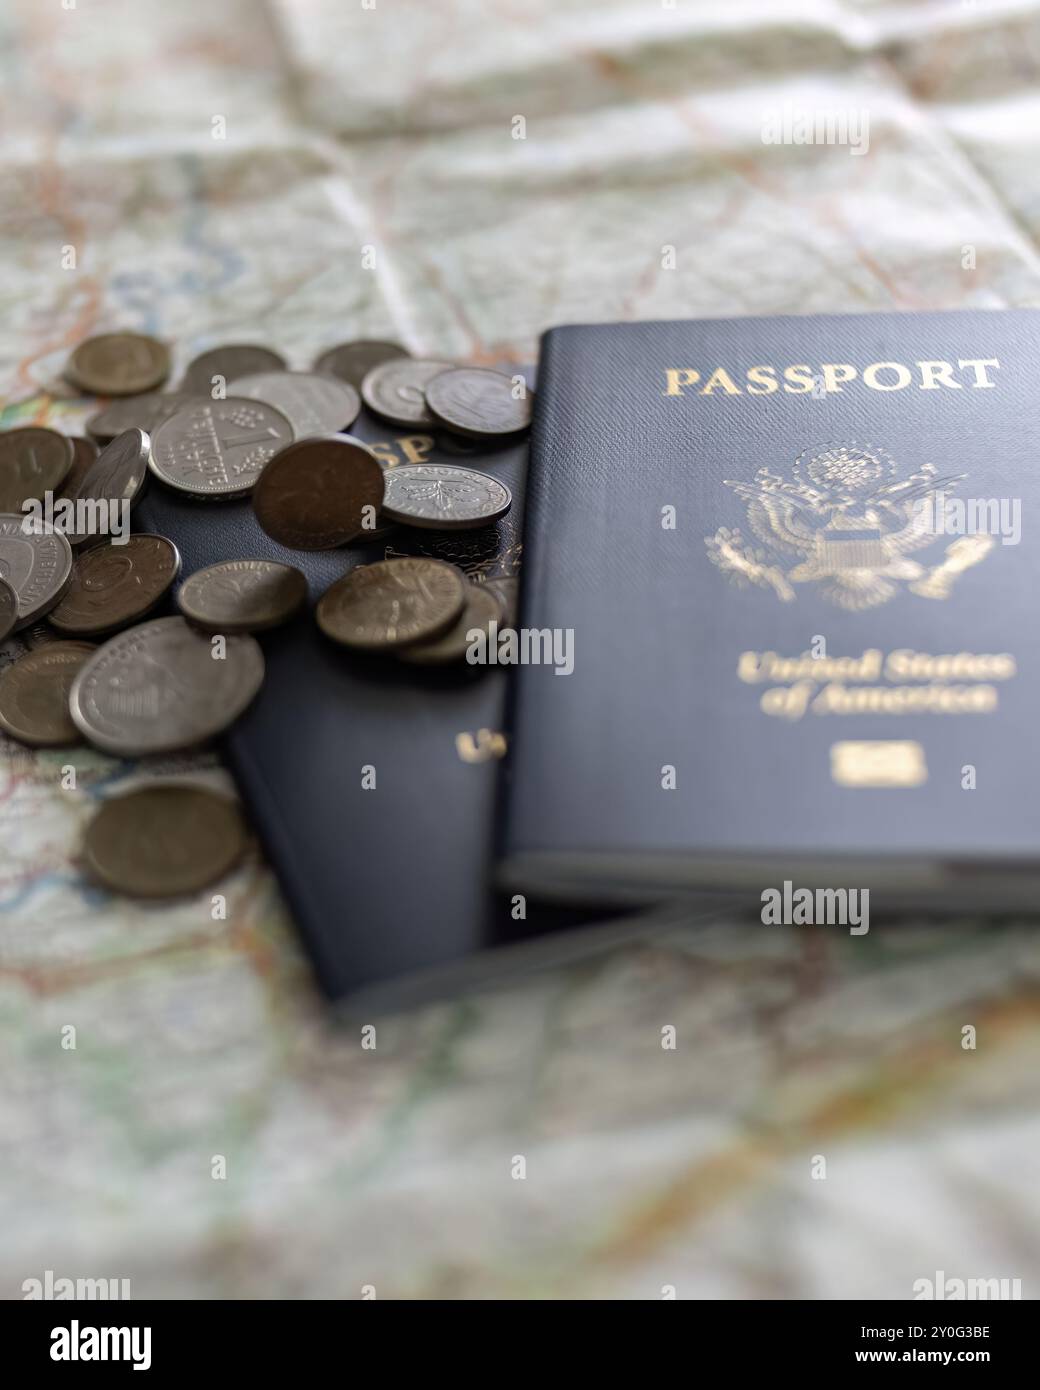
[(313, 404), (481, 607), (218, 448), (396, 389), (34, 695), (33, 461), (115, 585), (443, 497), (164, 841), (228, 362), (109, 487), (119, 364), (8, 610), (242, 595), (313, 496), (137, 413), (506, 590), (41, 634), (162, 686), (37, 565), (386, 605), (353, 361), (478, 403), (84, 455)]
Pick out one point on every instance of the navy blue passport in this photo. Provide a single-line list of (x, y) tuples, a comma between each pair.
[(390, 889), (796, 561)]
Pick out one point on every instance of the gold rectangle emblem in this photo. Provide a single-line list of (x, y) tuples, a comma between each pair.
[(878, 763)]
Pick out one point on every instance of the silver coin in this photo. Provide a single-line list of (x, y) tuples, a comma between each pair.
[(313, 404), (115, 478), (37, 566), (242, 595), (224, 364), (443, 497), (137, 413), (478, 403), (396, 389), (8, 610), (162, 686), (218, 448)]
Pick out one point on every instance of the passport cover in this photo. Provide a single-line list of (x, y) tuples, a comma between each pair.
[(389, 888), (804, 630)]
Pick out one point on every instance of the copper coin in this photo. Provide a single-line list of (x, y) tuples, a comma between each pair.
[(137, 413), (164, 841), (8, 610), (33, 461), (119, 364), (84, 455), (220, 365), (108, 489), (478, 403), (36, 564), (480, 609), (114, 585), (352, 362), (218, 448), (391, 603), (396, 390), (314, 495), (34, 695), (242, 595), (312, 403)]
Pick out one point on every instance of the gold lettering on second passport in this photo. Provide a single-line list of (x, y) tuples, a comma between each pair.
[(878, 763), (480, 748)]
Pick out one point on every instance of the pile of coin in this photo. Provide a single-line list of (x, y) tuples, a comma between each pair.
[(240, 424)]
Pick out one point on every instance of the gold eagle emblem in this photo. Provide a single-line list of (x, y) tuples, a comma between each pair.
[(847, 521)]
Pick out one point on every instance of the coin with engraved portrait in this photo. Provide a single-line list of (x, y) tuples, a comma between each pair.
[(163, 841), (396, 389), (479, 403), (218, 448), (311, 402), (352, 362), (8, 610), (111, 484), (163, 686), (37, 564), (320, 493), (114, 585), (242, 595), (481, 608), (443, 497), (391, 603), (33, 461), (34, 695), (219, 365), (119, 364), (145, 412)]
